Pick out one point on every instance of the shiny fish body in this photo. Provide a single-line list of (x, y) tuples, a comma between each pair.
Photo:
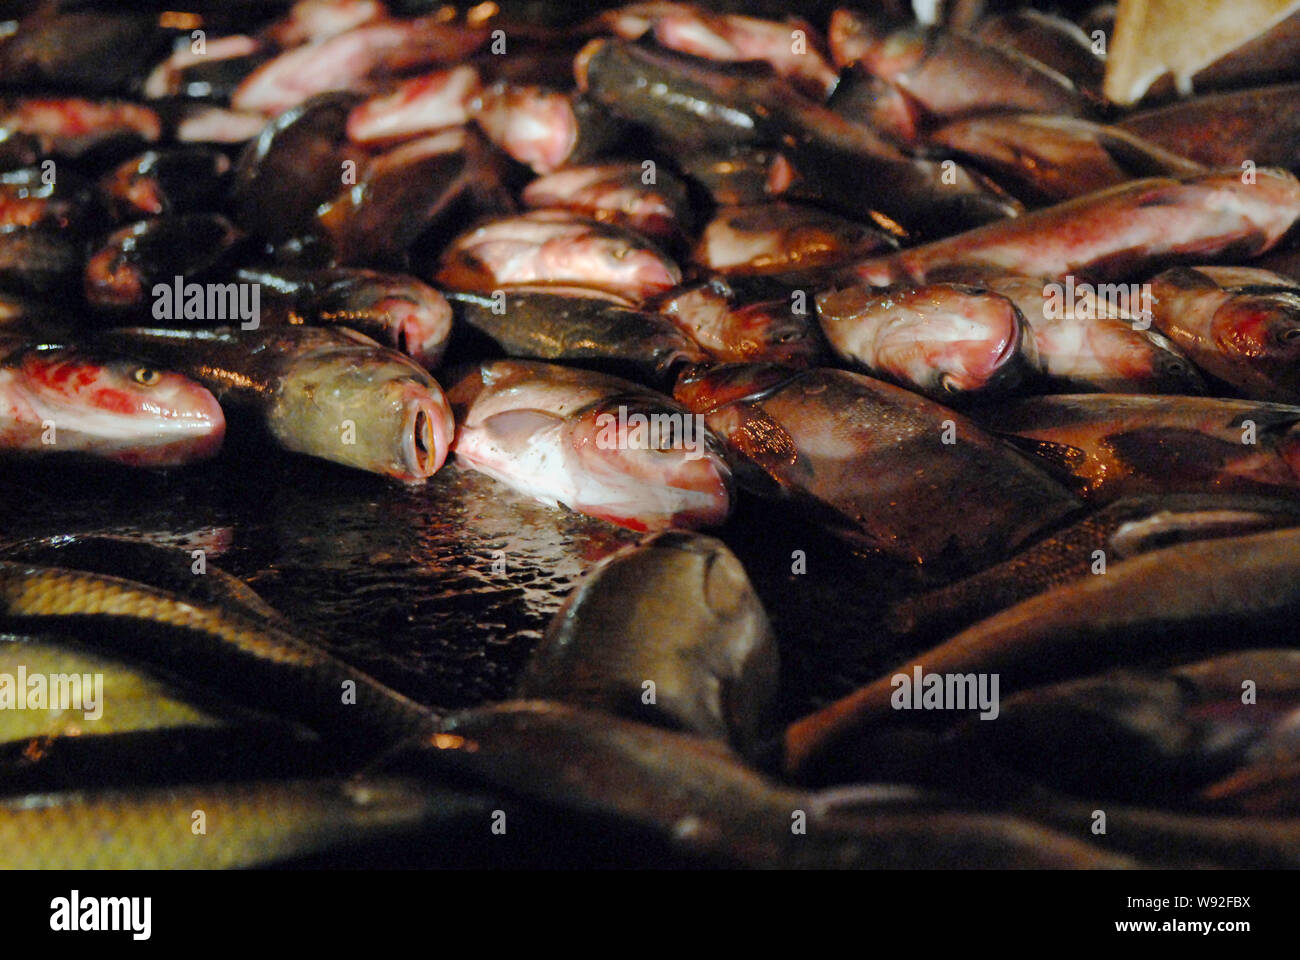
[(869, 461), (677, 611)]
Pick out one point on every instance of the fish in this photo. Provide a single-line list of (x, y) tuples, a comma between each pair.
[(550, 323), (123, 270), (246, 824), (60, 399), (328, 392), (1259, 124), (674, 618), (555, 247), (432, 101), (214, 73), (1168, 602), (35, 197), (1240, 325), (94, 50), (250, 661), (731, 37), (544, 129), (1043, 159), (868, 461), (647, 200), (1138, 736), (308, 20), (353, 59), (781, 237), (76, 126), (948, 341), (193, 121), (740, 176), (408, 315), (597, 444), (293, 166), (945, 74), (174, 569), (1169, 838), (1094, 344), (407, 191), (692, 104), (1116, 445), (1125, 231), (1051, 40), (1118, 531), (161, 183), (734, 329), (128, 698), (692, 794)]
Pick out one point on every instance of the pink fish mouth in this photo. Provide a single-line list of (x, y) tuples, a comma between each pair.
[(415, 334), (427, 431)]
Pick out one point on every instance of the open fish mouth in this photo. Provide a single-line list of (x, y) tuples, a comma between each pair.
[(426, 437)]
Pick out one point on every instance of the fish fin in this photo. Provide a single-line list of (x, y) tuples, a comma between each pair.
[(1061, 457), (1145, 160), (518, 426), (1272, 422)]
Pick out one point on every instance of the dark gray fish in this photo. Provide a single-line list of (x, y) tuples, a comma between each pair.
[(737, 176), (76, 127), (869, 461), (391, 308), (165, 182), (1164, 604), (667, 631), (694, 795), (537, 323), (1119, 531), (445, 179), (123, 270), (692, 103), (1130, 735), (1165, 838), (545, 129), (1117, 445)]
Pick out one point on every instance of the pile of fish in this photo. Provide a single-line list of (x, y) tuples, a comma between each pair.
[(918, 286)]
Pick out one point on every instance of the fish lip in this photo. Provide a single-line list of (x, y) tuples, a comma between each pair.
[(426, 435)]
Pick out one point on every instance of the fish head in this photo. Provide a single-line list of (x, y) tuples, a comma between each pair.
[(123, 410), (771, 332), (1263, 329), (420, 326), (426, 431), (656, 462), (613, 260)]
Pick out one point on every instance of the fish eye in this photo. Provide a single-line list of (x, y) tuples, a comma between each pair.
[(949, 384), (145, 376), (619, 253), (1289, 335)]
